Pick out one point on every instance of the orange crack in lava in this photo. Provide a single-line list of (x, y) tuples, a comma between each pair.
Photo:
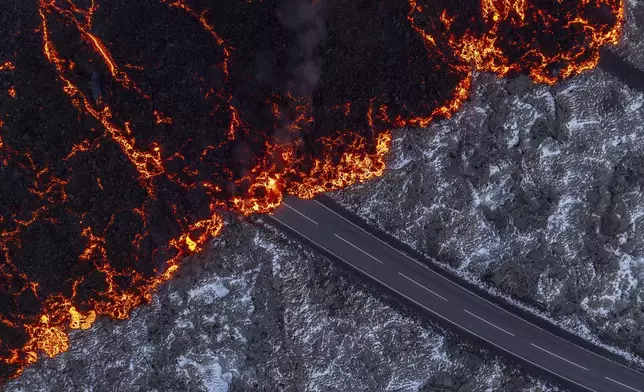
[(488, 51), (161, 118), (7, 66), (343, 158)]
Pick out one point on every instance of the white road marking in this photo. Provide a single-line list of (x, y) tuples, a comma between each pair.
[(306, 217), (413, 281), (369, 234), (481, 298), (485, 321), (555, 355), (624, 385), (435, 313), (358, 248)]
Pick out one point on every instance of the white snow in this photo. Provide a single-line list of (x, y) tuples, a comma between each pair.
[(209, 291), (209, 372), (596, 134), (576, 124)]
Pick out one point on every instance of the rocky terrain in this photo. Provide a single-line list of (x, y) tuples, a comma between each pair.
[(534, 192), (632, 47), (530, 190), (259, 312)]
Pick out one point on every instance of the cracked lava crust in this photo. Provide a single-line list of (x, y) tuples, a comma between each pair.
[(127, 128)]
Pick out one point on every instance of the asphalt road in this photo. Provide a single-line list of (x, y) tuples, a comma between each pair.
[(451, 303)]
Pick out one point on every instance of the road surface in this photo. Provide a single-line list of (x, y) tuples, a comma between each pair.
[(333, 233)]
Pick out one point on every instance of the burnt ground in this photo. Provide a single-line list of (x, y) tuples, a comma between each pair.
[(92, 212), (285, 53), (535, 193), (260, 312)]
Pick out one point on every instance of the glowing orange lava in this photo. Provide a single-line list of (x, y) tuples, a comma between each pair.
[(287, 158), (512, 42)]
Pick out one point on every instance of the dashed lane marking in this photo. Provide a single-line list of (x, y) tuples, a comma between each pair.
[(358, 249), (624, 385), (555, 355), (306, 217), (487, 322), (418, 284), (481, 298), (436, 313)]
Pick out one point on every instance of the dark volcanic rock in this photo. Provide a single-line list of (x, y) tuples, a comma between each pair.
[(257, 313), (552, 214)]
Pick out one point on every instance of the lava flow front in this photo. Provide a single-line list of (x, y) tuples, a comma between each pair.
[(126, 128)]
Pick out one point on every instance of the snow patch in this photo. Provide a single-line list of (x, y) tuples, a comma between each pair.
[(209, 292), (209, 372)]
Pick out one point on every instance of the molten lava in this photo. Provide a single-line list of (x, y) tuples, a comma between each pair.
[(121, 147)]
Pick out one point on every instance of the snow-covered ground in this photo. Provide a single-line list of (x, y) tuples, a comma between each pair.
[(632, 47), (259, 312), (534, 192)]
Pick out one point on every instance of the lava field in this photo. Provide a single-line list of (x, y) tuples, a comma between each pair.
[(127, 128)]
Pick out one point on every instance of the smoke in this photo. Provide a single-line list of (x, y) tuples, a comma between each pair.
[(307, 21), (100, 201)]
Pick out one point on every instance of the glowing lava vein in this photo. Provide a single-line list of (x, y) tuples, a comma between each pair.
[(121, 147)]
